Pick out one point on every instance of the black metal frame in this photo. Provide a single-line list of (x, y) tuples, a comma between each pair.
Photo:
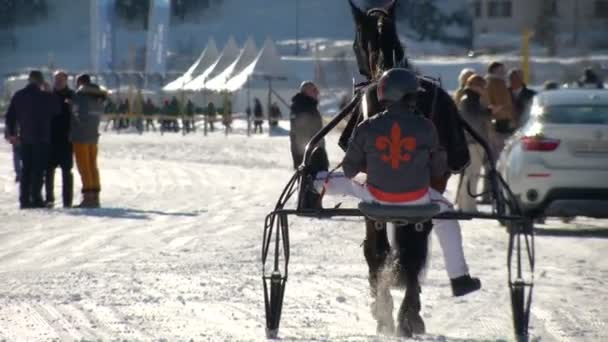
[(506, 209)]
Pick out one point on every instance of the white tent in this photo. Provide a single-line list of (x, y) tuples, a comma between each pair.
[(206, 59), (268, 63), (255, 79), (247, 55), (227, 57)]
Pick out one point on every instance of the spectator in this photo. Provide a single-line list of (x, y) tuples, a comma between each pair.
[(550, 85), (149, 111), (174, 112), (275, 114), (189, 123), (111, 110), (521, 96), (137, 110), (123, 110), (478, 116), (165, 123), (227, 115), (88, 108), (61, 147), (462, 80), (306, 121), (258, 114), (110, 107), (501, 104), (211, 113), (590, 80), (28, 123)]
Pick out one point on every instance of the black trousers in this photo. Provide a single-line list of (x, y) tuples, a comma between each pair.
[(258, 125), (318, 162), (60, 155), (34, 158)]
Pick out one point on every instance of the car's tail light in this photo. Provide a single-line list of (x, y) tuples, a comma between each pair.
[(539, 144)]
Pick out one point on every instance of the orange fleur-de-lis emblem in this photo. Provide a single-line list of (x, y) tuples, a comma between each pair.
[(396, 145)]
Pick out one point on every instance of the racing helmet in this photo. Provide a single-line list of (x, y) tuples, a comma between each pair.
[(397, 84)]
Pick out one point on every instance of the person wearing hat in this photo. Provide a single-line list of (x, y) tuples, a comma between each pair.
[(306, 121), (28, 123), (88, 109), (462, 83), (479, 117), (590, 80)]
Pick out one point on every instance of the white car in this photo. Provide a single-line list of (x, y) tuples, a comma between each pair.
[(557, 163)]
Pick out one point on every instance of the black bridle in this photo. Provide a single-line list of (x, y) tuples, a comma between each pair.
[(377, 46)]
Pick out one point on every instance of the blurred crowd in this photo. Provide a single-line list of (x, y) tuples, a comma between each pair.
[(495, 105), (51, 126)]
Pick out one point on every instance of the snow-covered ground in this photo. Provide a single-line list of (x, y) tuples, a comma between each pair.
[(175, 255)]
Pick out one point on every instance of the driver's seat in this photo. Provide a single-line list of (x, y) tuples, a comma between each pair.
[(410, 214)]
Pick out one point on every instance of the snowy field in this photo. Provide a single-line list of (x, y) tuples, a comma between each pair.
[(174, 255)]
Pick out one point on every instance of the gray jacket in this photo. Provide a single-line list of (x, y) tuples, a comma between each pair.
[(88, 109), (475, 114), (399, 151)]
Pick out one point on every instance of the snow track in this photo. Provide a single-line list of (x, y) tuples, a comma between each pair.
[(175, 253)]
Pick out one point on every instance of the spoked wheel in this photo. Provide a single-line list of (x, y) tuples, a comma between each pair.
[(276, 242)]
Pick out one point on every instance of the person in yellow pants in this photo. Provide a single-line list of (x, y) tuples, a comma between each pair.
[(86, 162), (88, 109)]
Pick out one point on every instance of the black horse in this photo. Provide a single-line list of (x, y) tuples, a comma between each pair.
[(378, 48)]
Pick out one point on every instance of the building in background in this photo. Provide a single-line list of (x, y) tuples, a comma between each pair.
[(557, 24)]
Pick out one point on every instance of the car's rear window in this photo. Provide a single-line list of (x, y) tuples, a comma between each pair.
[(587, 115)]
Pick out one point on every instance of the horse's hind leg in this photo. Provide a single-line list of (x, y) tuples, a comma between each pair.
[(376, 249), (413, 250)]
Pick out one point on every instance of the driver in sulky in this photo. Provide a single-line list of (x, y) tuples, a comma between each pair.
[(378, 49), (400, 154)]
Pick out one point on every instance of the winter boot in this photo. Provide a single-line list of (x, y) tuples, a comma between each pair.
[(464, 285), (95, 199), (87, 200), (311, 198)]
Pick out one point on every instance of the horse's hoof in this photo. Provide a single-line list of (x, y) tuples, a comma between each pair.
[(385, 328), (404, 330), (417, 324), (412, 324)]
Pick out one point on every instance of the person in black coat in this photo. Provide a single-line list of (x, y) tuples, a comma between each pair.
[(28, 122), (521, 95), (590, 80), (61, 148), (275, 115), (258, 114), (306, 121)]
